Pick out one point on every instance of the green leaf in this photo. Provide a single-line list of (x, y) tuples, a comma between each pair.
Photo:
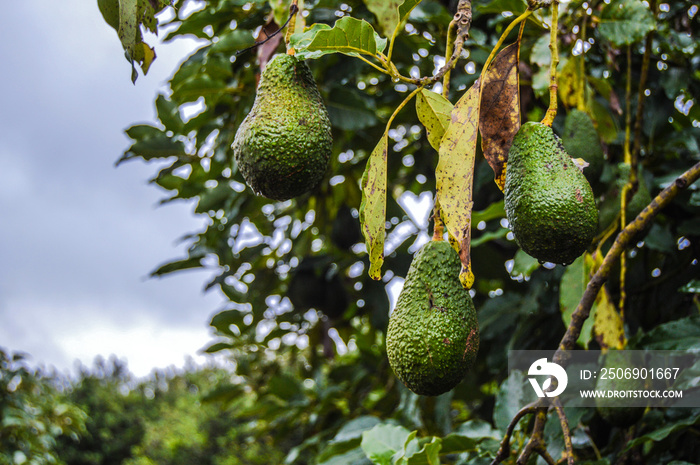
[(179, 265), (429, 454), (683, 334), (434, 113), (383, 441), (350, 110), (391, 13), (455, 174), (624, 22), (232, 41), (373, 206), (573, 283), (110, 12), (513, 394), (524, 264), (168, 113), (349, 35), (665, 431), (693, 287), (154, 147)]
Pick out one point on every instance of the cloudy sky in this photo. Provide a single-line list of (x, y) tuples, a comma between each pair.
[(78, 236)]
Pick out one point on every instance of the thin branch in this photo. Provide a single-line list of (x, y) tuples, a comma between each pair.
[(504, 450), (502, 39), (293, 9), (536, 442), (622, 241), (566, 431)]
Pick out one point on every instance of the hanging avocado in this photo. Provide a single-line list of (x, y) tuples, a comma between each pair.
[(548, 202), (283, 146), (433, 334)]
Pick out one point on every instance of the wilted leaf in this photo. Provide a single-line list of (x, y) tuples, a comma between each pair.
[(499, 111), (434, 113), (348, 35), (373, 206), (573, 283), (455, 172), (390, 13), (624, 22), (608, 327)]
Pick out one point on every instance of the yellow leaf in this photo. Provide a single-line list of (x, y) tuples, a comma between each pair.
[(455, 174), (373, 206), (499, 118), (608, 327), (434, 113)]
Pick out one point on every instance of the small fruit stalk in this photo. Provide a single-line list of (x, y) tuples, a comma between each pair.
[(433, 334)]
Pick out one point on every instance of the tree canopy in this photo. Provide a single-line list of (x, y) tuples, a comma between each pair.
[(307, 279)]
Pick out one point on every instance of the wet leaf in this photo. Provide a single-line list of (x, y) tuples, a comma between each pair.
[(373, 206), (499, 112), (455, 174), (348, 35), (608, 327), (624, 22), (573, 283), (434, 113), (390, 13)]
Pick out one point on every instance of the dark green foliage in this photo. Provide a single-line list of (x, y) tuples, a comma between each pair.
[(609, 408), (549, 203), (293, 391), (282, 147), (581, 140), (433, 334)]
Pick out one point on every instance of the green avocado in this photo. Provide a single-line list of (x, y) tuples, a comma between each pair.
[(581, 140), (283, 146), (612, 409), (433, 333), (548, 202)]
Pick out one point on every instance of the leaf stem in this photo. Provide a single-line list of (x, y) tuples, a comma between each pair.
[(554, 27), (449, 49), (503, 37)]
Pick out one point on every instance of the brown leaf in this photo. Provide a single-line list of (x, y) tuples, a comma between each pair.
[(267, 50), (499, 114)]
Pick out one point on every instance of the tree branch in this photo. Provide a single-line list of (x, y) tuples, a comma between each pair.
[(504, 450), (566, 431), (624, 238)]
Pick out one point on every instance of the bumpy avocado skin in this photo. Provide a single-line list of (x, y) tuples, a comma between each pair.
[(283, 146), (548, 202), (581, 140), (609, 408), (433, 333)]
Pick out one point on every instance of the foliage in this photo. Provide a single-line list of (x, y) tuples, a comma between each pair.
[(311, 373), (34, 414)]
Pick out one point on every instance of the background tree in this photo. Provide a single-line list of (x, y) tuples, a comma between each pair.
[(311, 372)]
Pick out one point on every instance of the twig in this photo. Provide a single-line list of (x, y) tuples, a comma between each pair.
[(463, 20), (502, 39), (293, 9), (536, 442), (564, 422), (552, 110), (622, 241), (504, 450)]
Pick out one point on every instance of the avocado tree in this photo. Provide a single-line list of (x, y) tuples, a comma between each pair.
[(424, 100)]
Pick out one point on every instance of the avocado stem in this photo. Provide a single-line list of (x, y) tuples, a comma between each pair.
[(552, 110)]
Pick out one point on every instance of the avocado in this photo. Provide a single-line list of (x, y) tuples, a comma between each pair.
[(283, 145), (433, 333), (581, 140), (548, 202), (613, 409)]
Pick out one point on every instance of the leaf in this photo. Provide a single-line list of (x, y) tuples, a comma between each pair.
[(608, 327), (179, 265), (511, 397), (383, 441), (154, 147), (569, 81), (373, 206), (573, 283), (390, 13), (348, 35), (624, 22), (110, 12), (455, 174), (350, 110), (683, 334), (499, 110), (434, 113), (665, 431), (524, 264)]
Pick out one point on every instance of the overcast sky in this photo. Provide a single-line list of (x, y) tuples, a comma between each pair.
[(78, 236)]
